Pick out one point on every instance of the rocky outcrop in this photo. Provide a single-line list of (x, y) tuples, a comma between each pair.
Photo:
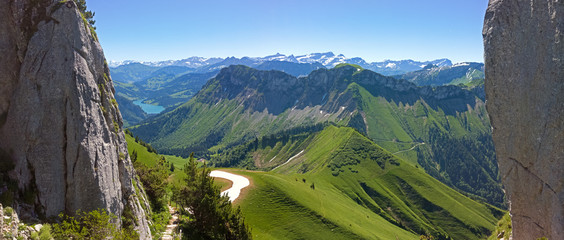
[(59, 121), (524, 58)]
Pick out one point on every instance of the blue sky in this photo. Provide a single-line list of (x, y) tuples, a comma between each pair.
[(375, 30)]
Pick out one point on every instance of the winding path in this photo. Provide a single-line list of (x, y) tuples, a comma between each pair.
[(169, 233), (239, 182), (416, 145)]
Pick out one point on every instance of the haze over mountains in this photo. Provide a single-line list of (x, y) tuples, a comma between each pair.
[(433, 75), (328, 60)]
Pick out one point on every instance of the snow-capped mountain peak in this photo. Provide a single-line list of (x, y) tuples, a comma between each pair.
[(327, 59)]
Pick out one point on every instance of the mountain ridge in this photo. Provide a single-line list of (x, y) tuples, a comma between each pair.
[(348, 168), (276, 92), (327, 59), (242, 103), (433, 75)]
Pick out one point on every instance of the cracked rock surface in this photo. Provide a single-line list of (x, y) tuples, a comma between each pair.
[(59, 123), (524, 57)]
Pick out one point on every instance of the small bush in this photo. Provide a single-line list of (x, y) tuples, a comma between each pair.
[(45, 232), (114, 102), (116, 127), (8, 211), (97, 224)]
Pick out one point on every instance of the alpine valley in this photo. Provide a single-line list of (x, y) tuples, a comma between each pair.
[(171, 83), (312, 146), (335, 143)]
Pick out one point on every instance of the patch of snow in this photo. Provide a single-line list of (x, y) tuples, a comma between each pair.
[(461, 64), (290, 159), (273, 158), (391, 65), (239, 182)]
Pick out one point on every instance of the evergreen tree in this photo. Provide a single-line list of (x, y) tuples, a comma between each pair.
[(154, 180), (212, 216), (89, 15), (134, 156)]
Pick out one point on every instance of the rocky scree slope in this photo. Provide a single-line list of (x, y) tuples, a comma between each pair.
[(524, 55), (60, 127)]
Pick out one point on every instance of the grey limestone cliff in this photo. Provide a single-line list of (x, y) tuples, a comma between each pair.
[(524, 63), (59, 121)]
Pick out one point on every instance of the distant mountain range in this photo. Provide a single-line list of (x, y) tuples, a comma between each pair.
[(434, 75), (171, 85), (328, 60)]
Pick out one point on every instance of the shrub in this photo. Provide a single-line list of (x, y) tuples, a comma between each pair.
[(45, 232), (8, 211), (154, 180), (97, 224)]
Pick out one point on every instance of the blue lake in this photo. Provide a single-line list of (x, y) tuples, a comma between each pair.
[(148, 108)]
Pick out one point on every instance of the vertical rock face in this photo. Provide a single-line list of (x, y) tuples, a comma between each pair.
[(524, 57), (59, 122)]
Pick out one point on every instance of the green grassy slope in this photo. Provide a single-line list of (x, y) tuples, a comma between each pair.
[(150, 158), (284, 207), (360, 191), (241, 104)]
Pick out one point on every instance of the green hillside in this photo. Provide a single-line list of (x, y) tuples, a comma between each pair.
[(337, 184), (151, 158), (417, 124)]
